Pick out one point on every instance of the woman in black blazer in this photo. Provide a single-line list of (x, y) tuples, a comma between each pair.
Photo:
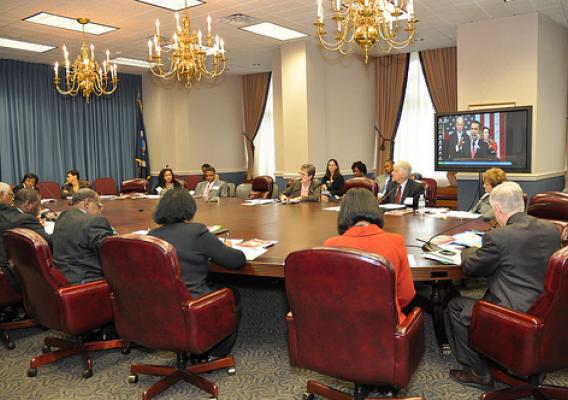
[(166, 181), (195, 246), (333, 181)]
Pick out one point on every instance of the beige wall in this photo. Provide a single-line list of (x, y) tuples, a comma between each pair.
[(520, 59), (188, 127)]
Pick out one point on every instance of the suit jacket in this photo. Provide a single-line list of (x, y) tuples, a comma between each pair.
[(383, 181), (295, 190), (514, 259), (76, 239), (195, 245), (219, 189), (67, 189), (373, 239), (455, 150), (482, 150), (412, 189), (336, 187), (11, 217)]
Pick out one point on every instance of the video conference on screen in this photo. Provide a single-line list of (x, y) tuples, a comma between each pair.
[(477, 140)]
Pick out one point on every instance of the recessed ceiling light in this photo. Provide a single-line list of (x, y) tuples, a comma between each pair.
[(174, 5), (57, 21), (19, 45), (274, 31), (131, 61)]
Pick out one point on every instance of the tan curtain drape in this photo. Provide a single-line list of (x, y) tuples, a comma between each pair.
[(392, 73), (441, 73), (255, 92)]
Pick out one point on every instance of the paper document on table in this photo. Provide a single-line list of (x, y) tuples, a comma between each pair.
[(411, 261), (336, 208), (463, 214), (255, 202), (391, 206), (48, 226), (251, 252), (447, 255), (107, 196), (468, 239)]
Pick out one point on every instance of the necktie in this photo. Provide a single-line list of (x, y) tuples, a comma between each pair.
[(207, 189), (398, 194)]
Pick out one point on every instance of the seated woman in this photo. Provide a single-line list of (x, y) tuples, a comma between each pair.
[(305, 189), (333, 181), (73, 184), (359, 169), (29, 181), (166, 181), (491, 178), (195, 245), (359, 223)]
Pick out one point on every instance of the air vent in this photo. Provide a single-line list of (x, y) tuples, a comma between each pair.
[(238, 20)]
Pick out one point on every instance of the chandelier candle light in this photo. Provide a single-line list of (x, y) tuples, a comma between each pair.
[(190, 53), (368, 22), (85, 74)]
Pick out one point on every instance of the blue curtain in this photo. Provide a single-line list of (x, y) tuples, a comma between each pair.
[(47, 133)]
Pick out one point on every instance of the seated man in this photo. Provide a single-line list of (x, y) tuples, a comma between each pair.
[(402, 190), (383, 180), (514, 260), (23, 214), (76, 237), (211, 188)]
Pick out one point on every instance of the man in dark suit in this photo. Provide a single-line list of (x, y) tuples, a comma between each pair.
[(479, 147), (77, 235), (514, 259), (459, 142), (403, 190), (23, 214)]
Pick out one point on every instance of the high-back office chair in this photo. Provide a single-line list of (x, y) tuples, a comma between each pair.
[(181, 181), (105, 186), (49, 298), (242, 191), (261, 187), (430, 191), (10, 297), (49, 190), (527, 344), (136, 185), (549, 205), (350, 296), (191, 181), (153, 308), (361, 182)]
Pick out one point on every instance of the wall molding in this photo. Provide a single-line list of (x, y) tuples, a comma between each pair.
[(469, 176)]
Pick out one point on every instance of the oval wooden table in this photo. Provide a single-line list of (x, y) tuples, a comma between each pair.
[(301, 226)]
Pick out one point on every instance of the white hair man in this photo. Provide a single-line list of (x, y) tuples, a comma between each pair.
[(6, 194), (516, 253), (459, 142), (402, 189)]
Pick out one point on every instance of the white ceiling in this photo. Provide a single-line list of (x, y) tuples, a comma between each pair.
[(247, 52)]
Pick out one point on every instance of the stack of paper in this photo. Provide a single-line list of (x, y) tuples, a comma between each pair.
[(252, 248)]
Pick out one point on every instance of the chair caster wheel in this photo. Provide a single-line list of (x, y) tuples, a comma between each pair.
[(32, 372), (125, 350), (46, 349), (10, 345), (231, 371), (308, 396), (132, 378), (87, 373)]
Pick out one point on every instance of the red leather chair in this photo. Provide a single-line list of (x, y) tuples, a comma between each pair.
[(106, 186), (76, 310), (10, 297), (343, 321), (153, 308), (49, 190), (549, 205), (527, 344), (430, 191), (181, 181), (191, 181), (136, 185), (261, 187), (361, 182)]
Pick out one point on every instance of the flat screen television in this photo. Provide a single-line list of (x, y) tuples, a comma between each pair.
[(478, 140)]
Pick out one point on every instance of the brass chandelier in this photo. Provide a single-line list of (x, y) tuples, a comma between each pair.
[(85, 75), (368, 22), (192, 56)]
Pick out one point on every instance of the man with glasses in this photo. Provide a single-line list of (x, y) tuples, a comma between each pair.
[(22, 214), (76, 237)]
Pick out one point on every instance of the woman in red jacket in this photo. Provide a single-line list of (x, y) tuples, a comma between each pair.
[(359, 224)]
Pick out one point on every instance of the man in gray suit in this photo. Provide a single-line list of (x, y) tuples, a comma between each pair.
[(77, 235), (211, 189), (514, 259)]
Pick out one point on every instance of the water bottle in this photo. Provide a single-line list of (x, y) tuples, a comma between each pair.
[(421, 205)]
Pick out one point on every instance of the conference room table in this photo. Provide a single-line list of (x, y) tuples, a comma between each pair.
[(301, 226)]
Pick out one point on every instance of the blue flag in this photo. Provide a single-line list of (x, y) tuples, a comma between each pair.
[(142, 158)]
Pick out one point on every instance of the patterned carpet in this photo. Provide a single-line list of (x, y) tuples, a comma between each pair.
[(263, 371)]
